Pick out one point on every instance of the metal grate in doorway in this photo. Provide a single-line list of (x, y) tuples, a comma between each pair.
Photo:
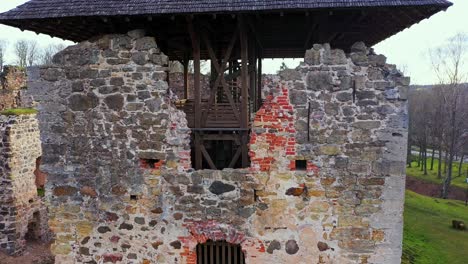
[(219, 253)]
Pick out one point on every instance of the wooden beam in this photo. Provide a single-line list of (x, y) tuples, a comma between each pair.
[(312, 28), (220, 79), (235, 158), (197, 95), (260, 83), (208, 158), (186, 79), (244, 89), (252, 74), (244, 73), (256, 33), (222, 137)]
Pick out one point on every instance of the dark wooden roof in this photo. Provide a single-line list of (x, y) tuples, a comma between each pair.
[(284, 27), (65, 8)]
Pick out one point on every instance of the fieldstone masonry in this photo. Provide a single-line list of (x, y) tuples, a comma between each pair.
[(121, 188), (12, 84), (22, 212)]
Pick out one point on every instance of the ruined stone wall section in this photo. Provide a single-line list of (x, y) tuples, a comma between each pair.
[(20, 147), (107, 123), (12, 82), (355, 145), (121, 188)]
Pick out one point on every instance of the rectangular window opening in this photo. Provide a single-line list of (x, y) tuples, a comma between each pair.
[(149, 163), (219, 149), (301, 165)]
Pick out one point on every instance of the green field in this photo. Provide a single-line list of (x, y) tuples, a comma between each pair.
[(431, 176), (428, 235)]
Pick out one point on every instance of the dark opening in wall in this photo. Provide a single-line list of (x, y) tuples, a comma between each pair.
[(41, 178), (134, 197), (301, 165), (33, 232), (149, 163), (219, 252), (219, 149)]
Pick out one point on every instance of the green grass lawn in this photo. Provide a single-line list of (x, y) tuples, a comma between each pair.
[(431, 176), (428, 235)]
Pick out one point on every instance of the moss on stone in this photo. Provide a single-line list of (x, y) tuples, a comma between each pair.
[(40, 192), (18, 111)]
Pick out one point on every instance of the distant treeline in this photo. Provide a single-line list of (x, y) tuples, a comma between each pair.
[(28, 53), (438, 124)]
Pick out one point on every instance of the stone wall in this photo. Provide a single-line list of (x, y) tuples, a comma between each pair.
[(21, 209), (121, 188), (346, 115), (176, 84), (12, 81)]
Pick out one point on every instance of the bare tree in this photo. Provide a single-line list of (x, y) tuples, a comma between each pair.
[(448, 64), (27, 52), (3, 46), (49, 52), (420, 126), (33, 52), (21, 52)]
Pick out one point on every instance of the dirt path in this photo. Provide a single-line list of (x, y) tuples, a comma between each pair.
[(433, 189), (36, 253)]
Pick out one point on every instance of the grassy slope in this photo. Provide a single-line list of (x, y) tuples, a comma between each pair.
[(431, 176), (428, 236)]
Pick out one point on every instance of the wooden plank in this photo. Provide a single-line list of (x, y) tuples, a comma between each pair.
[(223, 256), (212, 255), (312, 28), (255, 32), (186, 79), (235, 158), (197, 95), (199, 254), (252, 75), (205, 249), (196, 65), (218, 252), (244, 88), (220, 70), (259, 84), (229, 254), (219, 129), (207, 157), (220, 137), (236, 252)]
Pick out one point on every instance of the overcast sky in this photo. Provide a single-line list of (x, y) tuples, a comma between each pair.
[(408, 49)]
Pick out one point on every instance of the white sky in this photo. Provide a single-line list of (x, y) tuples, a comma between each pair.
[(408, 49)]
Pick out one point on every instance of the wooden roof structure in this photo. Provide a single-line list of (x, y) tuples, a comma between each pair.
[(282, 28)]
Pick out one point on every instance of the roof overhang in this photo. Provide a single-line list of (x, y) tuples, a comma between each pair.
[(281, 33)]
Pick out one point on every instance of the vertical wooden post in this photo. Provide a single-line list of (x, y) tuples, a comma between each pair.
[(259, 82), (245, 89), (197, 95), (186, 79), (252, 77)]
